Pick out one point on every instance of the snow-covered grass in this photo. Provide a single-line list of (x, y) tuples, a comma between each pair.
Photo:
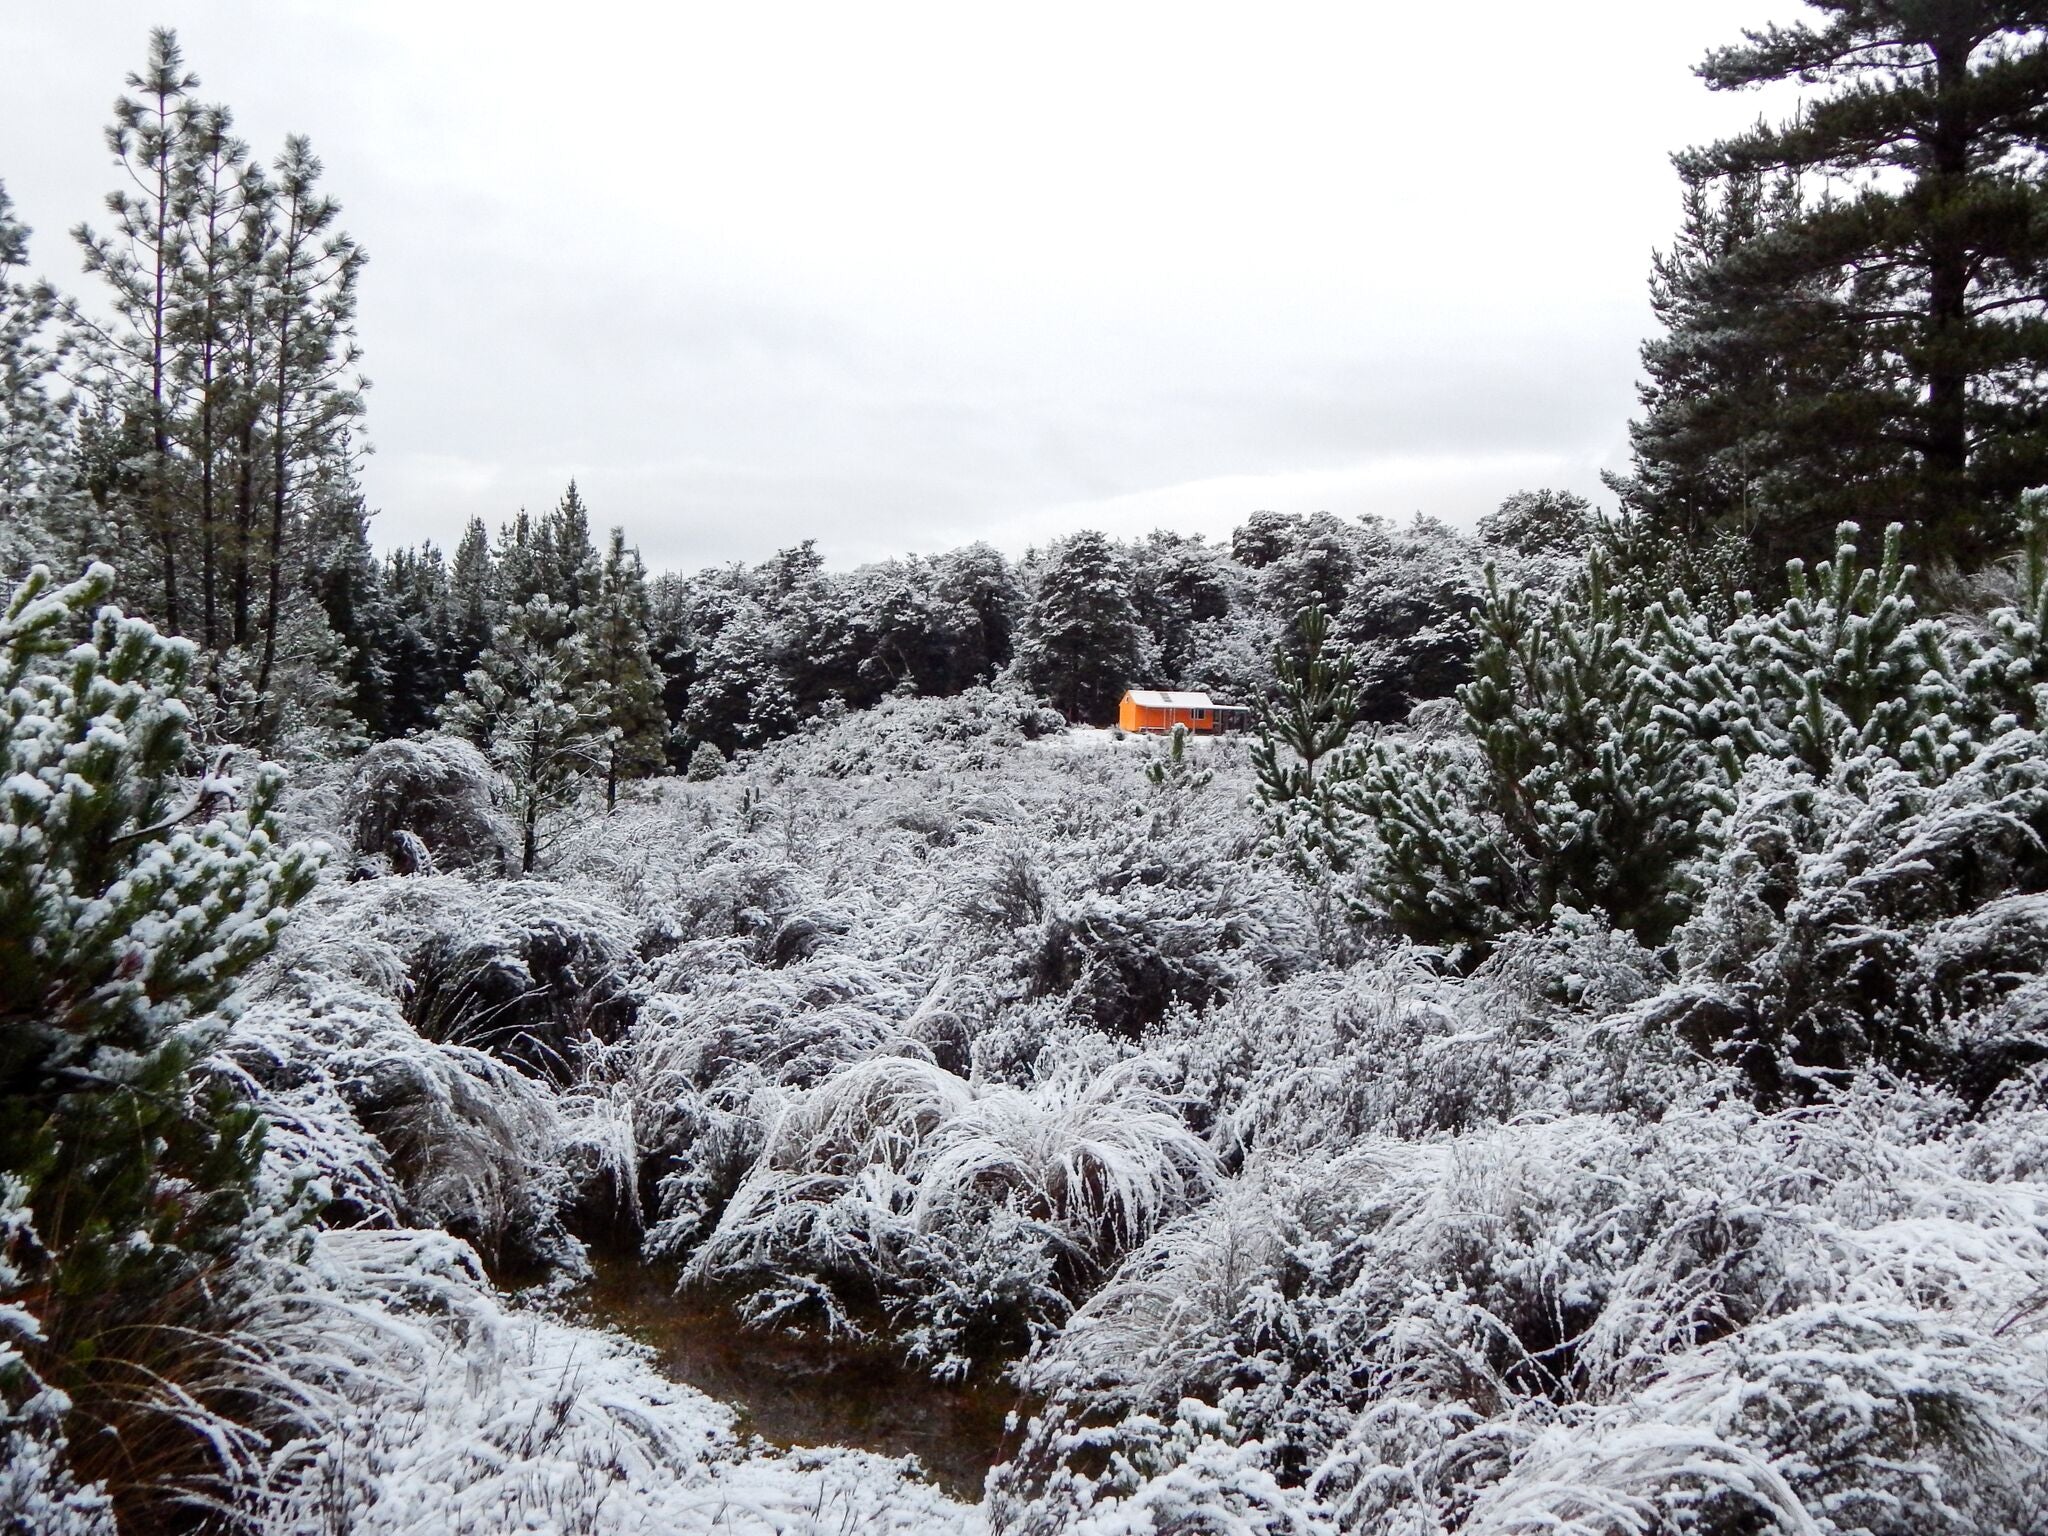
[(973, 1040), (405, 1397)]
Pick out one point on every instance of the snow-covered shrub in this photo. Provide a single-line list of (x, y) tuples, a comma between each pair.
[(980, 1213), (1821, 1321), (524, 969), (971, 731), (402, 1397), (427, 804), (1896, 923), (397, 1130), (532, 974), (1146, 908), (1610, 742)]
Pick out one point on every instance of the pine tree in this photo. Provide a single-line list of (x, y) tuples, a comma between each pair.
[(1605, 793), (472, 597), (217, 182), (311, 399), (1924, 249), (131, 899), (345, 580), (522, 705), (141, 263), (1082, 644), (1834, 674), (706, 763), (34, 426), (571, 574), (1303, 731), (620, 678)]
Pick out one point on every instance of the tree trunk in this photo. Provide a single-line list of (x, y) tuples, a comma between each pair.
[(279, 454), (208, 558), (1945, 343), (239, 585), (159, 417)]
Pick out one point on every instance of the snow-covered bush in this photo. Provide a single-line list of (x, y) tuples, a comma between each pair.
[(429, 804), (970, 731), (979, 1214), (1819, 1321), (1899, 923)]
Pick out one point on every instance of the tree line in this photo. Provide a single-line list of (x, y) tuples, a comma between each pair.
[(1853, 323)]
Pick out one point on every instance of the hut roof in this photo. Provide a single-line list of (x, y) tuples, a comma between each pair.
[(1150, 698)]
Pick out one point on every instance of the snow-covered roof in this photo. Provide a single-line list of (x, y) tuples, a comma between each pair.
[(1151, 698)]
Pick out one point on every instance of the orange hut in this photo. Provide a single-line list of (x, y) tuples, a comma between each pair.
[(1152, 710)]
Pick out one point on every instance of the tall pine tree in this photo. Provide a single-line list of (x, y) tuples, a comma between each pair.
[(620, 680), (1921, 237), (141, 261)]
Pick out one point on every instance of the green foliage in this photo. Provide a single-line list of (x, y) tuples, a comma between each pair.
[(1854, 315), (619, 671), (1603, 746), (130, 902), (1586, 784), (1176, 770), (528, 706), (1302, 732)]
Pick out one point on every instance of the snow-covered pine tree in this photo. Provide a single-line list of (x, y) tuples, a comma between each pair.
[(1302, 732), (132, 359), (570, 561), (220, 189), (1917, 140), (1838, 667), (310, 270), (1588, 791), (2002, 678), (34, 435), (706, 763), (620, 677), (131, 899), (525, 705)]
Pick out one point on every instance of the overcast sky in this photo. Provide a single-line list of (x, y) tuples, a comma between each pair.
[(897, 277)]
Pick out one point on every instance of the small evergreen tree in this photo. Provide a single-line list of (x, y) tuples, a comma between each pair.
[(131, 899), (1302, 732), (523, 706), (706, 763), (620, 678)]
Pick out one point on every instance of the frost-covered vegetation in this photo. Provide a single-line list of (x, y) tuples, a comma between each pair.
[(1024, 1052), (1580, 1070)]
